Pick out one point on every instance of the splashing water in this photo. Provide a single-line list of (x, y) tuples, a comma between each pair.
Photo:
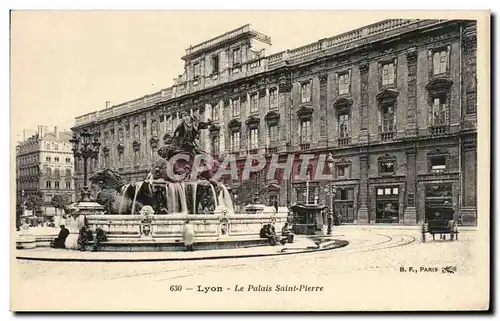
[(225, 199), (194, 188), (176, 196), (172, 199), (182, 192), (124, 190), (216, 201), (137, 189)]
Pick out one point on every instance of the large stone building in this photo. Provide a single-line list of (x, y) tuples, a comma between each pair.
[(394, 102), (44, 166)]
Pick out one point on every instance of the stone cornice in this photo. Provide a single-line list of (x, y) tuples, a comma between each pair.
[(252, 121), (342, 102), (439, 84), (387, 95), (234, 124)]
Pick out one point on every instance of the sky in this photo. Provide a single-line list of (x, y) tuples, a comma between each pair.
[(68, 63)]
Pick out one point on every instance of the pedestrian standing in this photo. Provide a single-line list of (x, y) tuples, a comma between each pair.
[(188, 236)]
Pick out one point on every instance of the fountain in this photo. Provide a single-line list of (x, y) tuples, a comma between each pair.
[(149, 215)]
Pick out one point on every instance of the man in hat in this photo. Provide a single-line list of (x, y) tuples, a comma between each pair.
[(100, 236), (58, 243)]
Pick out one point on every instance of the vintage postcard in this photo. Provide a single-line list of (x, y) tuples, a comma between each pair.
[(250, 161)]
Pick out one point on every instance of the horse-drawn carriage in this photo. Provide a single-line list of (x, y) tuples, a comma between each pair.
[(440, 224)]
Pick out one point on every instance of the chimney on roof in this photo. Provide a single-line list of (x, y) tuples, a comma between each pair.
[(108, 103), (42, 130), (56, 132)]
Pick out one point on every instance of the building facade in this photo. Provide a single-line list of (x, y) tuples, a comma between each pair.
[(394, 102), (44, 166)]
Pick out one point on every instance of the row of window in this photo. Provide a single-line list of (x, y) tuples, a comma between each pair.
[(135, 132), (25, 160), (252, 138), (387, 116), (30, 171), (35, 158), (57, 185), (214, 62), (52, 146), (343, 130), (57, 172), (28, 184), (48, 159), (440, 65), (439, 117), (237, 105), (437, 164)]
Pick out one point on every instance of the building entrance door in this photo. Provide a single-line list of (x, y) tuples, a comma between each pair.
[(346, 212), (387, 205), (344, 204)]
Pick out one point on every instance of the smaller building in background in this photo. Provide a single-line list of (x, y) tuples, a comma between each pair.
[(44, 168)]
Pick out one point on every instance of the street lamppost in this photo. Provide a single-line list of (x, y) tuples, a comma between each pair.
[(84, 148), (23, 207), (330, 191)]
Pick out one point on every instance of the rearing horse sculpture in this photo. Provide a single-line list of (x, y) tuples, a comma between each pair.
[(115, 196)]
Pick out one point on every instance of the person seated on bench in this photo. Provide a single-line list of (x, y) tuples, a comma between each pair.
[(58, 243), (84, 236), (287, 234), (267, 233), (100, 236)]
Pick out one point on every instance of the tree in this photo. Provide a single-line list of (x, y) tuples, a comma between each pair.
[(34, 202), (19, 213), (59, 201), (248, 190)]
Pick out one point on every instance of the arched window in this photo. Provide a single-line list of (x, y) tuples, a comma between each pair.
[(387, 106), (343, 115), (439, 105)]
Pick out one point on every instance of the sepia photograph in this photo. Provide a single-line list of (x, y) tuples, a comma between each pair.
[(250, 161)]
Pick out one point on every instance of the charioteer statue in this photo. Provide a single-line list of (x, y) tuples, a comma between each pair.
[(184, 137)]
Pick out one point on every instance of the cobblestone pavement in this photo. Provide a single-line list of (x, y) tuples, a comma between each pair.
[(373, 260)]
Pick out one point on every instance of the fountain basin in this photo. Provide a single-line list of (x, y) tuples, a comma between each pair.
[(164, 232)]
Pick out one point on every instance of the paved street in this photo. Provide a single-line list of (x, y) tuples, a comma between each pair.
[(365, 274)]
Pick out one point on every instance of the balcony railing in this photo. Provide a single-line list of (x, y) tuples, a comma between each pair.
[(387, 136), (271, 150), (439, 130), (305, 146), (214, 41), (139, 103), (344, 141)]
